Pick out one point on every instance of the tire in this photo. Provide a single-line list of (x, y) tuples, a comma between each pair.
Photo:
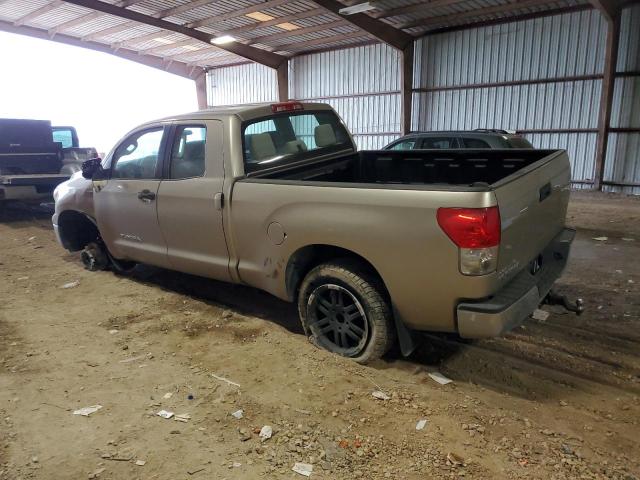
[(344, 309)]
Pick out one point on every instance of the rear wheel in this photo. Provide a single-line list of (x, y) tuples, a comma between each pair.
[(343, 309)]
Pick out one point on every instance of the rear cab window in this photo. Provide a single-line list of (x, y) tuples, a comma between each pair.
[(475, 143), (291, 136)]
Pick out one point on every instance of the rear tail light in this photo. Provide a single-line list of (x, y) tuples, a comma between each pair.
[(476, 232), (286, 107)]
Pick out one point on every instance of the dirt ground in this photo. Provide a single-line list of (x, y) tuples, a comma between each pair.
[(556, 399)]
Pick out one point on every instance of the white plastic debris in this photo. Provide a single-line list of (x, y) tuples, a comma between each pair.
[(236, 464), (238, 414), (600, 239), (380, 395), (167, 395), (266, 432), (304, 469), (86, 411), (539, 314), (183, 417), (421, 424), (73, 284), (627, 239), (165, 414), (440, 378), (114, 331), (141, 463)]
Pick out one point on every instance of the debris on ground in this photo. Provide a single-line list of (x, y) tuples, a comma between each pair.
[(73, 284), (238, 414), (380, 395), (440, 378), (141, 463), (266, 432), (304, 469), (455, 460), (193, 472), (183, 417), (114, 331), (165, 414), (539, 314), (627, 239), (600, 239), (97, 473), (421, 424), (86, 411), (133, 359), (226, 380), (167, 395)]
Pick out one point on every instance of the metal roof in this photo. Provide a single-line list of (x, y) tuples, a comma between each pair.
[(176, 34)]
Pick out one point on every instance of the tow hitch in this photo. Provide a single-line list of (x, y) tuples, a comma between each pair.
[(554, 298)]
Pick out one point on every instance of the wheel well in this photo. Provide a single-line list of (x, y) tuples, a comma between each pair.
[(309, 257), (76, 230)]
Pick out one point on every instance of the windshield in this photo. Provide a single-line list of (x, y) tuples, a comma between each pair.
[(285, 138)]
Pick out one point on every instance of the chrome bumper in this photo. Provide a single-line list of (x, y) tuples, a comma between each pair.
[(519, 298)]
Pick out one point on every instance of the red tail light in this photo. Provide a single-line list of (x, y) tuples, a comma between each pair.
[(471, 227), (286, 107)]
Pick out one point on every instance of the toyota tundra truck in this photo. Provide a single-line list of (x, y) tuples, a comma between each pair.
[(372, 246)]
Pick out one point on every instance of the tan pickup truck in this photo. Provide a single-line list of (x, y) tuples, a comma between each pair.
[(372, 245)]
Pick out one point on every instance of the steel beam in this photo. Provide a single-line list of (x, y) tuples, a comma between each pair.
[(201, 90), (283, 82), (376, 28), (406, 86), (251, 53), (606, 96), (608, 8), (177, 68)]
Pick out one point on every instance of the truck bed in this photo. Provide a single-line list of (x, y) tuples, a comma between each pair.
[(472, 168)]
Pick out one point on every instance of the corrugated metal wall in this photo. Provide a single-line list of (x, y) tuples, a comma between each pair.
[(362, 84), (247, 83), (570, 45), (555, 62), (623, 150)]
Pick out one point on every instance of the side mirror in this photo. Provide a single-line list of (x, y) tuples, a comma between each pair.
[(91, 167)]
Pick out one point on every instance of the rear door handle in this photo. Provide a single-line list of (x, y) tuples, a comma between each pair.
[(218, 200), (146, 195)]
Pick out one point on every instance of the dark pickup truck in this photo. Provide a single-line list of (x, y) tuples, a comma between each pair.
[(35, 157)]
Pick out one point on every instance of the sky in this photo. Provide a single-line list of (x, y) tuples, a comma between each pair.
[(103, 96)]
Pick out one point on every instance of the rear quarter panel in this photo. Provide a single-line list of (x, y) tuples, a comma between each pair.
[(395, 229)]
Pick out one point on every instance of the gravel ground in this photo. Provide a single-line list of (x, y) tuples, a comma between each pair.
[(555, 399)]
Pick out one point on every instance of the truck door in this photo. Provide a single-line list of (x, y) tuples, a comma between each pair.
[(125, 204), (190, 200)]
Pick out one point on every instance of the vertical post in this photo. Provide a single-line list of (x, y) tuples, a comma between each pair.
[(201, 90), (406, 87), (606, 98), (283, 81)]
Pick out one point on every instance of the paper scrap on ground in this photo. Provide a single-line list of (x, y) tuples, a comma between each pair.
[(140, 463), (183, 417), (165, 414), (601, 239), (624, 239), (167, 395), (380, 395), (539, 314), (421, 424), (266, 432), (303, 469), (86, 411), (440, 378), (238, 414), (71, 284)]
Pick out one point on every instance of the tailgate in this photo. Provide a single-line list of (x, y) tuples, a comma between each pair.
[(533, 206)]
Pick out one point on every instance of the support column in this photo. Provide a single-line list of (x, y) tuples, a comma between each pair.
[(201, 90), (283, 81), (406, 87), (606, 98)]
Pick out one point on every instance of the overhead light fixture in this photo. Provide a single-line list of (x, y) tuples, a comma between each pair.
[(288, 26), (261, 17), (223, 39), (166, 41), (359, 8), (193, 48)]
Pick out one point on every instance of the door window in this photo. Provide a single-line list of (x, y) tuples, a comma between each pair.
[(137, 157), (439, 142), (475, 143), (405, 145), (187, 154)]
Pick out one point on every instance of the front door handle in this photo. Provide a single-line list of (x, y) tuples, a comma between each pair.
[(146, 195)]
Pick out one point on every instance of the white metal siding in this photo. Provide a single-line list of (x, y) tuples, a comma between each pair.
[(248, 83)]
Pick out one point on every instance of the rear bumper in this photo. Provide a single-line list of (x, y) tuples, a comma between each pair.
[(519, 298)]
